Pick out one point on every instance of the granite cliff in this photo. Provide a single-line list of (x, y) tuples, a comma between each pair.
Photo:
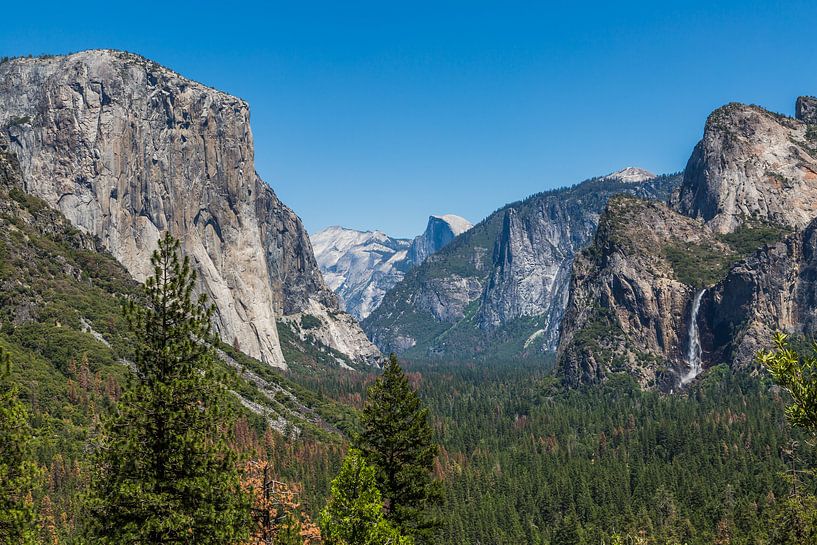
[(361, 266), (127, 149), (748, 203), (499, 289)]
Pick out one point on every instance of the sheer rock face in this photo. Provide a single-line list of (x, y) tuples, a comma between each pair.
[(753, 166), (533, 256), (127, 149), (505, 281), (775, 289), (361, 266), (627, 308), (439, 232)]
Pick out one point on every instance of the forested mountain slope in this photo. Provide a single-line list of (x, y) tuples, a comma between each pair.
[(499, 289), (61, 321)]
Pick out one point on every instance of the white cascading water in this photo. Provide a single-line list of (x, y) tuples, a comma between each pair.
[(694, 346)]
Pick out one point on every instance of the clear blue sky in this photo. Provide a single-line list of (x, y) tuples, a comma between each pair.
[(377, 114)]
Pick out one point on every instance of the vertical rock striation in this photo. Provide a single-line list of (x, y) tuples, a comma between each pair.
[(126, 149), (500, 288), (749, 195)]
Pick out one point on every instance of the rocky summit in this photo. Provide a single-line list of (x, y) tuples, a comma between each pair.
[(361, 266), (663, 294), (127, 149)]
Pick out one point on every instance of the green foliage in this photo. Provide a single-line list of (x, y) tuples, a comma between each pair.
[(519, 455), (164, 471), (795, 522), (702, 265), (396, 439), (309, 321), (797, 374), (698, 265), (19, 475), (354, 513)]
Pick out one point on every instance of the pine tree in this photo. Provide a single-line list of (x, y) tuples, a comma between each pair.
[(19, 475), (354, 513), (397, 440), (165, 474)]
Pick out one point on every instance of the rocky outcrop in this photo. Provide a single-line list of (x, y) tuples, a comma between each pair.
[(750, 182), (439, 232), (502, 285), (806, 109), (753, 165), (127, 149), (630, 298), (360, 266), (774, 289)]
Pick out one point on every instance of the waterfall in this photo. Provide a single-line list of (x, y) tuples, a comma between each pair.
[(694, 343)]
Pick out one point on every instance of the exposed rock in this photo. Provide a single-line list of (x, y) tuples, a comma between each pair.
[(439, 232), (775, 289), (501, 285), (127, 149), (628, 310), (806, 109), (631, 174), (361, 266), (752, 166), (751, 180)]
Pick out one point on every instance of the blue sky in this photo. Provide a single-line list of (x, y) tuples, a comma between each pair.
[(377, 114)]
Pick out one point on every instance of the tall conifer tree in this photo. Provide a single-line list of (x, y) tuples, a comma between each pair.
[(396, 439), (165, 472), (18, 473)]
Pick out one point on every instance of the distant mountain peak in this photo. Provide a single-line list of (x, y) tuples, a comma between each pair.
[(361, 266), (458, 224), (631, 174)]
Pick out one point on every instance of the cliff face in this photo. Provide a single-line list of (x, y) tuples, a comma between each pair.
[(753, 166), (361, 266), (439, 232), (630, 297), (126, 149), (499, 289), (774, 289), (750, 182)]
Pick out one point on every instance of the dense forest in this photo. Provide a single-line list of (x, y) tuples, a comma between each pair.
[(526, 461), (521, 458)]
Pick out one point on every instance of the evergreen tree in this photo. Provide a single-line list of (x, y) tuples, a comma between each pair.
[(18, 474), (397, 440), (165, 474), (354, 513)]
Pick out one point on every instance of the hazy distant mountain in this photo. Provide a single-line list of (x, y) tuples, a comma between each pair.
[(500, 289), (361, 266)]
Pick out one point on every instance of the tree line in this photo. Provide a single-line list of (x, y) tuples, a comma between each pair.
[(165, 470)]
